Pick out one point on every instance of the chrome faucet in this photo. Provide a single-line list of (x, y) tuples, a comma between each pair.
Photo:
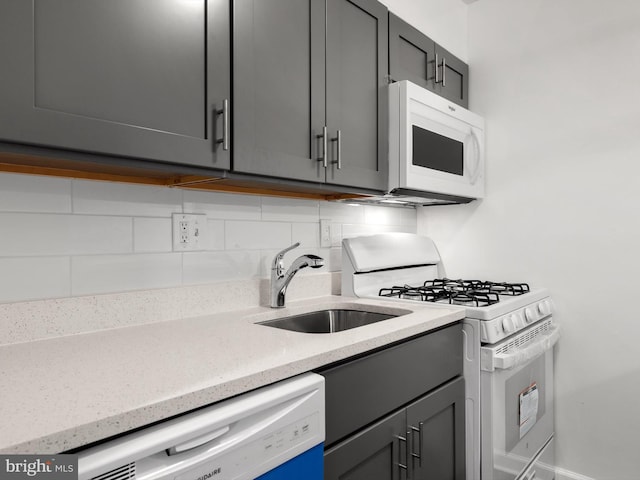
[(280, 279)]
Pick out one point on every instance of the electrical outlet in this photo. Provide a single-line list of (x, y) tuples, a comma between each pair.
[(189, 231)]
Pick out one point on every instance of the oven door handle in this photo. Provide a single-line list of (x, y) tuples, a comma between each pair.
[(520, 356)]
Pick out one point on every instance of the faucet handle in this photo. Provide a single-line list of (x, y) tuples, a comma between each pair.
[(277, 261)]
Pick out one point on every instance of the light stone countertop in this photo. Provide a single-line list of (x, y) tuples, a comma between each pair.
[(61, 393)]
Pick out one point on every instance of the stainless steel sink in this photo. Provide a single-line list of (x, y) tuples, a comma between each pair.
[(327, 321)]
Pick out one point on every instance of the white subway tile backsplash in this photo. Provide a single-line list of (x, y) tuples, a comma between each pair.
[(289, 210), (342, 212), (119, 273), (222, 205), (30, 193), (350, 231), (308, 234), (61, 237), (214, 267), (257, 235), (110, 198), (33, 234), (214, 239), (152, 234), (33, 278), (376, 215)]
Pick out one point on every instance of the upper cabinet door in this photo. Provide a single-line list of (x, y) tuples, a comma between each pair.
[(415, 57), (120, 77), (453, 77), (411, 54), (357, 64), (279, 87)]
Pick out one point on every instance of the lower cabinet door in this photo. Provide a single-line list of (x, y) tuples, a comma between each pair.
[(437, 430), (376, 453)]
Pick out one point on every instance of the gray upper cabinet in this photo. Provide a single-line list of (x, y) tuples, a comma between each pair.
[(144, 79), (411, 54), (415, 57), (357, 63), (308, 90), (453, 77), (279, 87)]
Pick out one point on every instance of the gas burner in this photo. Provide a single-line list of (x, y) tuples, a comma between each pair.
[(480, 286), (473, 298), (504, 288), (443, 291), (471, 293), (408, 292)]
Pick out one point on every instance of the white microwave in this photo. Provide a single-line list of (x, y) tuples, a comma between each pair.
[(436, 148)]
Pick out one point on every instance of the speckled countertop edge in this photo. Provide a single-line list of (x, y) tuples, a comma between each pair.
[(71, 391)]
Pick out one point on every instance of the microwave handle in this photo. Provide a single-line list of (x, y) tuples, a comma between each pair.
[(476, 146)]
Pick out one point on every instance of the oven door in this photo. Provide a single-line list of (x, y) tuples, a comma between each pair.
[(517, 404)]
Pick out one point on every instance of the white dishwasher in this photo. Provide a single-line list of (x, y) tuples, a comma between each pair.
[(273, 433)]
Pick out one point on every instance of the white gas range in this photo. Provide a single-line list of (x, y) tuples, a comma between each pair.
[(508, 362)]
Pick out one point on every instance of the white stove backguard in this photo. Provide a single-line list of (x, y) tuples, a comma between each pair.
[(389, 250), (366, 262)]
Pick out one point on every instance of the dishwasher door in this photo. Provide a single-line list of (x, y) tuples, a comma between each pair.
[(273, 433)]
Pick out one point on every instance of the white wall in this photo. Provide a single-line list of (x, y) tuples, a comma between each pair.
[(61, 237), (444, 21), (559, 85)]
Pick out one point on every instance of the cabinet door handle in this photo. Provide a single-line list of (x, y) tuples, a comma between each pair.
[(403, 466), (338, 139), (323, 158), (419, 430), (443, 66), (224, 111), (444, 72)]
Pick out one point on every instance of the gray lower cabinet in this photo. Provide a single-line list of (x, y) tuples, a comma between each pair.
[(308, 90), (436, 431), (425, 441), (399, 411), (373, 454), (415, 57), (145, 79)]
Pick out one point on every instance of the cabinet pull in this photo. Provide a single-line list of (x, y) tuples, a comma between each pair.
[(403, 466), (323, 158), (444, 72), (419, 430), (224, 111), (338, 139), (443, 66)]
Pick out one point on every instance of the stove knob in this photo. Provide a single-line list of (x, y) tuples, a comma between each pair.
[(544, 308), (508, 324), (520, 323), (529, 315)]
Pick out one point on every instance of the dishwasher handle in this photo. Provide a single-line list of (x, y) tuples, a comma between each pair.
[(197, 442)]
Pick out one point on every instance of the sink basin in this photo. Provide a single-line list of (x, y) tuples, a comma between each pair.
[(327, 321)]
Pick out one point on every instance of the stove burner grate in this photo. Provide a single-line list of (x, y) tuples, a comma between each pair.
[(457, 292)]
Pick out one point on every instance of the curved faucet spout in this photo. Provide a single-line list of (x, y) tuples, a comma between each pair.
[(280, 279)]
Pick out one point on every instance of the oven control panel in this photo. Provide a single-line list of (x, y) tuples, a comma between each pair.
[(505, 325)]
